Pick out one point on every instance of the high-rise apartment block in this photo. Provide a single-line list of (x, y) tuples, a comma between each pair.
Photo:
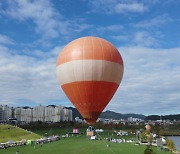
[(50, 113), (5, 112)]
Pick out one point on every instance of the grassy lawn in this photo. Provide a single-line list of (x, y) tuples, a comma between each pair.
[(55, 131), (81, 145), (8, 132), (72, 145)]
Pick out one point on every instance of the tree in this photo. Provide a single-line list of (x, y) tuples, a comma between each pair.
[(170, 144), (143, 137), (157, 129), (150, 138)]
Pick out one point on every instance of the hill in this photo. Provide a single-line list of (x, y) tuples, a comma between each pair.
[(163, 117), (108, 115), (75, 112), (8, 132), (114, 115)]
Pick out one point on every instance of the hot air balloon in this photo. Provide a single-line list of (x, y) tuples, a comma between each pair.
[(89, 70)]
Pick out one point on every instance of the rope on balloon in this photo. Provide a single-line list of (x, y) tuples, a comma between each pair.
[(106, 143)]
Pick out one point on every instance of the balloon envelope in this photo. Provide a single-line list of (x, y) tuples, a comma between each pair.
[(89, 70)]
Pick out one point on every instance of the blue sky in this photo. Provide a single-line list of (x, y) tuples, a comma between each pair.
[(32, 33)]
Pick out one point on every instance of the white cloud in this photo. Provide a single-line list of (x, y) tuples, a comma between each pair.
[(111, 28), (120, 37), (151, 81), (131, 7), (49, 22), (154, 22), (143, 38), (6, 40), (40, 12), (28, 78), (150, 84), (117, 6), (140, 38)]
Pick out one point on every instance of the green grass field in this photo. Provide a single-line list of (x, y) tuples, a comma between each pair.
[(55, 131), (8, 132), (62, 131), (80, 145)]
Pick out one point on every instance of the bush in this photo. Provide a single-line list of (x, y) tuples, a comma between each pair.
[(170, 144), (148, 150)]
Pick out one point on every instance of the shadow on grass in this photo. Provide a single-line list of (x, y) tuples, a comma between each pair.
[(149, 150)]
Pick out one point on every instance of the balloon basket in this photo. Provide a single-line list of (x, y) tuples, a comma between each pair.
[(90, 131)]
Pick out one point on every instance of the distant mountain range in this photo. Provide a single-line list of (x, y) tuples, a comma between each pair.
[(165, 117), (109, 115), (113, 115)]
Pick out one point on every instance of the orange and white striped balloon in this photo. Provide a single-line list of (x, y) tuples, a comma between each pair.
[(89, 70)]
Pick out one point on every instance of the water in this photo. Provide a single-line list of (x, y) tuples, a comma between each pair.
[(176, 140)]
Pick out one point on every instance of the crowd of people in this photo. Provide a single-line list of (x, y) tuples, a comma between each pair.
[(40, 141)]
